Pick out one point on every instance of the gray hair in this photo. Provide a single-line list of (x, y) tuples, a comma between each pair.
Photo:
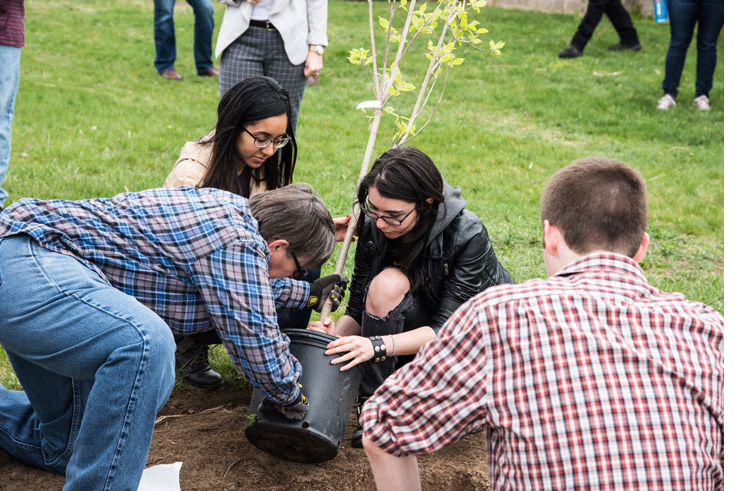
[(296, 213)]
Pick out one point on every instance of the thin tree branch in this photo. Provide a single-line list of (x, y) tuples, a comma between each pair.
[(448, 19), (375, 80)]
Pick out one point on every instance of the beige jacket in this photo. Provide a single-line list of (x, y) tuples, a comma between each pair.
[(192, 165)]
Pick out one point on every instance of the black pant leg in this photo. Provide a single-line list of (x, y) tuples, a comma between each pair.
[(594, 12), (622, 22)]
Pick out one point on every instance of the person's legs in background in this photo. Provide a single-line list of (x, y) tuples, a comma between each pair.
[(164, 38), (710, 22), (591, 19), (291, 77), (10, 60), (260, 51), (203, 31), (243, 58), (683, 14), (97, 373), (623, 24)]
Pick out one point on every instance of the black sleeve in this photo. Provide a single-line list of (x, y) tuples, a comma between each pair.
[(363, 259), (469, 273)]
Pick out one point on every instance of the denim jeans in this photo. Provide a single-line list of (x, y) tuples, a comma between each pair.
[(617, 15), (10, 61), (95, 364), (164, 38), (683, 15)]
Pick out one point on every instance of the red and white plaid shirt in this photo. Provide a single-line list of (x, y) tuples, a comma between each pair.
[(591, 379)]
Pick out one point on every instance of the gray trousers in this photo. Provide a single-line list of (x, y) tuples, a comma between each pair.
[(260, 51)]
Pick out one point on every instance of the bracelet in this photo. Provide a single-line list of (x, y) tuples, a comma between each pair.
[(378, 346), (393, 343)]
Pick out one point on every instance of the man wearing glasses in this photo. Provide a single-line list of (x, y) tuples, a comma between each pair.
[(92, 291)]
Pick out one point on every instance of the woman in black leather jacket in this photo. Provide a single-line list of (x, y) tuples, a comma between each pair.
[(420, 255)]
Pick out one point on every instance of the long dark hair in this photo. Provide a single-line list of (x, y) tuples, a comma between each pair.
[(250, 101), (407, 174)]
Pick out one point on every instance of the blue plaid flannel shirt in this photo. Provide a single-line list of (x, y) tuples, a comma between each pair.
[(193, 256)]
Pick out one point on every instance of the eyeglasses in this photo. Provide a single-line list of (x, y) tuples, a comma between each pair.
[(392, 221), (300, 270), (264, 142)]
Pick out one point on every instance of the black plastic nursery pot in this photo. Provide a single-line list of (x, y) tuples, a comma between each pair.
[(331, 394)]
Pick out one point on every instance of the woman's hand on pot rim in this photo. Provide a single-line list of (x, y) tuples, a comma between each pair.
[(355, 349)]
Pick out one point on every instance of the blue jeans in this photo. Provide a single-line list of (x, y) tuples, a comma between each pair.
[(10, 60), (95, 364), (683, 15), (203, 31)]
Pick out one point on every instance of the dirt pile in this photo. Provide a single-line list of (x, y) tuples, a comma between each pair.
[(204, 430)]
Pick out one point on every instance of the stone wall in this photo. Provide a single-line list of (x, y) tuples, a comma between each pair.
[(646, 7)]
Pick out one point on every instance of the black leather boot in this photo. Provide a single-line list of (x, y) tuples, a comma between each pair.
[(191, 361)]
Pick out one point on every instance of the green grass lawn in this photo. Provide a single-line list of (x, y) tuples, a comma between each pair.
[(93, 119)]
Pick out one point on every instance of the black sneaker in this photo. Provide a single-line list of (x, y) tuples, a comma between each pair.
[(625, 47), (357, 437), (191, 360), (570, 52)]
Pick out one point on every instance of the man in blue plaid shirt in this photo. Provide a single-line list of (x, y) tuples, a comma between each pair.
[(92, 292)]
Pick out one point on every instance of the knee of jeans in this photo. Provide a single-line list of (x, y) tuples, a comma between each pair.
[(162, 13), (161, 347), (705, 46), (386, 291), (204, 10), (680, 41)]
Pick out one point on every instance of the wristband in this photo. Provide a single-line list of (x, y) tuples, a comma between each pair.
[(378, 346)]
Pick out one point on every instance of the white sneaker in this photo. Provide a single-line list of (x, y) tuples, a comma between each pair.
[(666, 102), (701, 103)]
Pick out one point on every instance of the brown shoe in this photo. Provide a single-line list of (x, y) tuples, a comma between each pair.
[(171, 74), (209, 73)]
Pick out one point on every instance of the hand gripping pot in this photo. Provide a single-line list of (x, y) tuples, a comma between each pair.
[(331, 394)]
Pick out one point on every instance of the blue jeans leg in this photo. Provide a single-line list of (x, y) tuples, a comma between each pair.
[(683, 15), (10, 60), (96, 366), (710, 22), (203, 32), (164, 39)]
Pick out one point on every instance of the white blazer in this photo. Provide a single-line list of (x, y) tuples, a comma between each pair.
[(301, 23)]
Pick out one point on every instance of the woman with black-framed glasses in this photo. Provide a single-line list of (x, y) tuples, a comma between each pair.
[(252, 149), (420, 255)]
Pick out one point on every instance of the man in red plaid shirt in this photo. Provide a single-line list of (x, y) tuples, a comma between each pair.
[(590, 379)]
